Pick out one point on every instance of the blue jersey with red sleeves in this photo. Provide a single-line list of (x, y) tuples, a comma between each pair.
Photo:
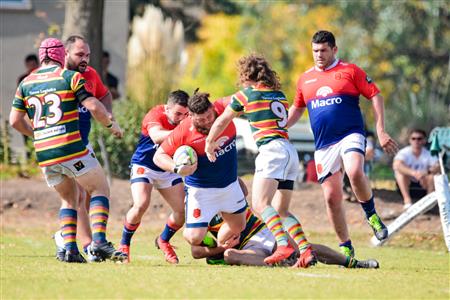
[(332, 99), (146, 148), (95, 86), (216, 174)]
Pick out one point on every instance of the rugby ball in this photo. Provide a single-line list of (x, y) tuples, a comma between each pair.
[(185, 155)]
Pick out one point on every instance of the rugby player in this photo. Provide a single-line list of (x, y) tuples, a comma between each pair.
[(256, 243), (77, 58), (277, 165), (49, 97), (330, 90), (210, 187), (157, 124)]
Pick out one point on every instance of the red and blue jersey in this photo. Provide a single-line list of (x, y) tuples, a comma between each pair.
[(146, 148), (216, 174), (332, 99), (94, 85)]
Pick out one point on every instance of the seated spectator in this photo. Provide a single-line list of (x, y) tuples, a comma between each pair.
[(111, 81), (414, 166)]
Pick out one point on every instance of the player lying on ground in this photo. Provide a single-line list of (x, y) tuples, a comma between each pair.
[(256, 243)]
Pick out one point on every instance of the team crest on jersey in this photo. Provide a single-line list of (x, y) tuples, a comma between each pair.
[(78, 165), (324, 91), (197, 213), (338, 76)]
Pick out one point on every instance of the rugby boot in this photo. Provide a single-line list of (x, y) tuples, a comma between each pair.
[(74, 258), (103, 250), (280, 254), (169, 252), (91, 257), (60, 246), (307, 258), (367, 264), (124, 252), (379, 229), (347, 250)]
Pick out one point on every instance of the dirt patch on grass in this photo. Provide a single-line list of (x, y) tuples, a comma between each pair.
[(30, 202)]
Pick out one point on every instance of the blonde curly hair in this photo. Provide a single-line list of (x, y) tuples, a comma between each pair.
[(254, 67)]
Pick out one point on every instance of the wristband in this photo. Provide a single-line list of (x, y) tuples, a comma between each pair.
[(110, 125)]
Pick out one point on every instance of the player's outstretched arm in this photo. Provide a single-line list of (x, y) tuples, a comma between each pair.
[(217, 128), (98, 111), (204, 252), (157, 133), (18, 122), (107, 102), (388, 144), (295, 113)]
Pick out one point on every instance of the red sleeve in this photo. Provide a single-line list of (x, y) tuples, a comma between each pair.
[(100, 89), (174, 140), (299, 100), (364, 83), (154, 117)]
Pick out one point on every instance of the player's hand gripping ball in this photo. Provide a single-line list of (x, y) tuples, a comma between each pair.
[(185, 155)]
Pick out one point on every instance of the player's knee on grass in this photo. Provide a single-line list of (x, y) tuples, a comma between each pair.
[(194, 236)]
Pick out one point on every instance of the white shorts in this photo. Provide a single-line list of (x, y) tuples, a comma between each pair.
[(90, 148), (329, 160), (202, 204), (160, 180), (277, 159), (54, 174), (262, 241)]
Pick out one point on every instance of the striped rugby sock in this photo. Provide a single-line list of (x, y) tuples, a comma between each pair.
[(99, 213), (294, 228), (68, 221), (127, 232), (275, 225), (170, 229)]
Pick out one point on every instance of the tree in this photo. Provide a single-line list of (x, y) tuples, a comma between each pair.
[(85, 17)]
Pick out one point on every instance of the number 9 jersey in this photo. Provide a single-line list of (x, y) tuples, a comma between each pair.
[(266, 110), (267, 113), (50, 97)]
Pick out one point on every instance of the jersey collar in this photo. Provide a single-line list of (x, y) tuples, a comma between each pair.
[(334, 64)]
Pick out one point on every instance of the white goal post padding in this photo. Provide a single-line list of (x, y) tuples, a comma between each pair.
[(441, 196)]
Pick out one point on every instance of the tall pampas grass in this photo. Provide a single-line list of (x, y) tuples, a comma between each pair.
[(155, 50)]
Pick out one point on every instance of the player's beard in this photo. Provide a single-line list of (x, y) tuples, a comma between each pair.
[(74, 67), (202, 130)]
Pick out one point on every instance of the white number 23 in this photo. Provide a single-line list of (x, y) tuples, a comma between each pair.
[(51, 116)]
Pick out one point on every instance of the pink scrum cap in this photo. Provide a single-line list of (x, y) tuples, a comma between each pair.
[(53, 49)]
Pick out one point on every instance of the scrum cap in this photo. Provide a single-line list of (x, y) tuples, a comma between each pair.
[(53, 49)]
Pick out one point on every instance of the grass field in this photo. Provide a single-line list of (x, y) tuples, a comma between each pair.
[(29, 270)]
